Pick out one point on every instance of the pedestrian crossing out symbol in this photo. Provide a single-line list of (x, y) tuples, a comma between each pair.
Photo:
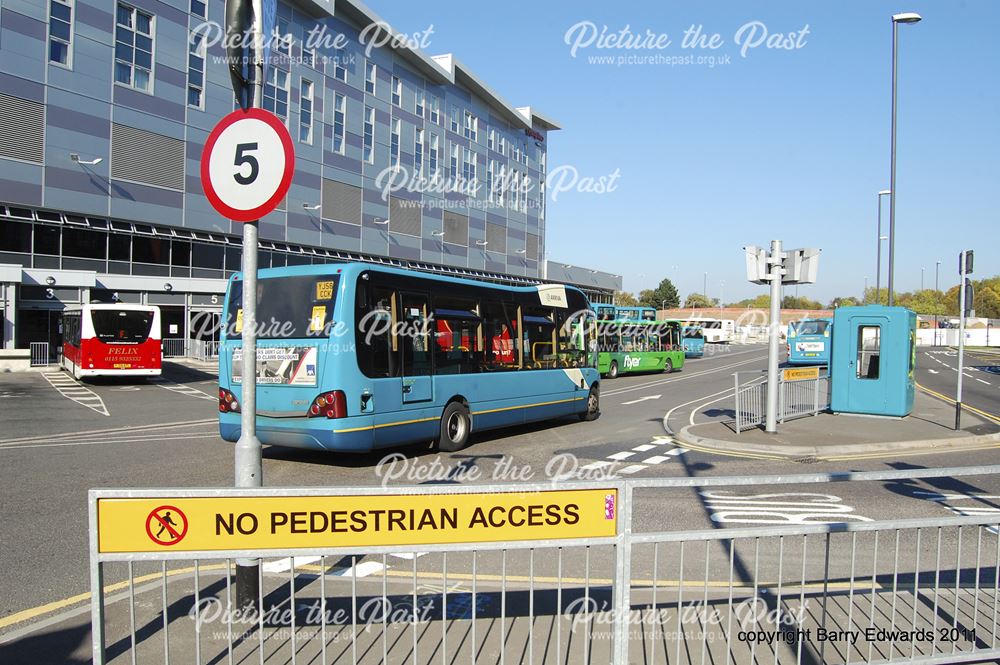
[(166, 525)]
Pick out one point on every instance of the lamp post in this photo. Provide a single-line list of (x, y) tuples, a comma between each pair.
[(937, 301), (704, 288), (906, 17), (878, 250), (921, 279)]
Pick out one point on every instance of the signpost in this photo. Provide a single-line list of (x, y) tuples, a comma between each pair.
[(796, 266), (246, 169), (965, 260)]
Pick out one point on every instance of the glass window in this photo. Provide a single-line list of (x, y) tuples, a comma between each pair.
[(418, 104), (340, 65), (207, 256), (539, 338), (369, 138), (397, 91), (288, 307), (394, 142), (276, 92), (339, 123), (433, 156), (181, 253), (869, 343), (85, 244), (376, 348), (198, 8), (122, 326), (47, 240), (15, 237), (119, 247), (418, 151), (196, 71), (150, 250), (500, 337), (306, 111), (283, 43), (60, 31), (370, 77), (413, 335), (234, 257), (471, 127), (134, 48)]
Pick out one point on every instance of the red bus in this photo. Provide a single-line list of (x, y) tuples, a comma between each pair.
[(112, 340)]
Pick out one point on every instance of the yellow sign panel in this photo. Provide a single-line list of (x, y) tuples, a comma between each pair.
[(800, 373), (207, 524), (318, 319), (324, 290), (239, 320)]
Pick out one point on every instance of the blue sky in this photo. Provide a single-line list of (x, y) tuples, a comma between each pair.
[(780, 144)]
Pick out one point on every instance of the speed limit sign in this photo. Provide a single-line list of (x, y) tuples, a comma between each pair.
[(247, 164)]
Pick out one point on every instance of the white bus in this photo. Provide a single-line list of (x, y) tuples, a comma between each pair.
[(717, 331)]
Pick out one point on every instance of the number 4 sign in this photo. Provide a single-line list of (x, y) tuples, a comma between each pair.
[(247, 164)]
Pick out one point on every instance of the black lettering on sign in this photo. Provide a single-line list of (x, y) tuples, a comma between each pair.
[(243, 158)]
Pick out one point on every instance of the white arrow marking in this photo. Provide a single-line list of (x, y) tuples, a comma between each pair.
[(933, 371), (643, 399)]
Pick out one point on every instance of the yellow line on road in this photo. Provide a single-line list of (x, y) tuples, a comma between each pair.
[(989, 416)]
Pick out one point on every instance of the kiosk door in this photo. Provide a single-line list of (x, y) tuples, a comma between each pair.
[(869, 367)]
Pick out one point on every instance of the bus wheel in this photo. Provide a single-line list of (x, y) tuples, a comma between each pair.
[(593, 411), (669, 367), (613, 370), (455, 426)]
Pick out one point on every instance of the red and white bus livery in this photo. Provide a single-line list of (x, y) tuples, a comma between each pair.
[(112, 340)]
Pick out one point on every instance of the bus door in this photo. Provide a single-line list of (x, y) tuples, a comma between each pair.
[(414, 341)]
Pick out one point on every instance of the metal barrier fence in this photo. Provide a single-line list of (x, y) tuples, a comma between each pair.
[(39, 354), (796, 398), (174, 348), (853, 591)]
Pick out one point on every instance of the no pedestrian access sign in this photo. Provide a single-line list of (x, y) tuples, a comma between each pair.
[(247, 164), (237, 522)]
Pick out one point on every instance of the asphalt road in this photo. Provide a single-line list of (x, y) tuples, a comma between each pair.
[(937, 369), (57, 442)]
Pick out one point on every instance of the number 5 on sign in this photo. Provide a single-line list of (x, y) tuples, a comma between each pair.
[(247, 164)]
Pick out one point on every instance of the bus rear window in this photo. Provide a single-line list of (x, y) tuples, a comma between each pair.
[(115, 326), (287, 307), (811, 327)]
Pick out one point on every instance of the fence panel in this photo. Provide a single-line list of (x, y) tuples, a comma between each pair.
[(174, 348), (39, 354), (853, 591)]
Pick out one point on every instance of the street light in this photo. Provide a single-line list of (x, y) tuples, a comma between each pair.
[(878, 253), (906, 17), (937, 301), (921, 279)]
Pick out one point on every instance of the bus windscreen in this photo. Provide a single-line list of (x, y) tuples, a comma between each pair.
[(811, 327), (287, 307), (128, 326)]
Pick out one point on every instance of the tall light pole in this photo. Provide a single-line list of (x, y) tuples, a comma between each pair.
[(937, 301), (878, 250), (906, 17), (704, 288), (921, 279)]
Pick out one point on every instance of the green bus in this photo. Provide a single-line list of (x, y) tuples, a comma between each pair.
[(627, 346)]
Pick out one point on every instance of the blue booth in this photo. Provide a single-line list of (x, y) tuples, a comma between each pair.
[(872, 360)]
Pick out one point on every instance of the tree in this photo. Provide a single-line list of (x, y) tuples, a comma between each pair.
[(844, 301), (625, 299), (697, 301), (799, 302), (663, 296)]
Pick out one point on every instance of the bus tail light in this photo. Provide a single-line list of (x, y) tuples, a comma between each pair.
[(228, 402), (330, 405)]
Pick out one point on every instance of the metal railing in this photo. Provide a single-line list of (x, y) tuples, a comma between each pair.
[(40, 354), (849, 591), (175, 348), (796, 398)]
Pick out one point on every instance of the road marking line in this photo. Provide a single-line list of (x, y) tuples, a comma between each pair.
[(682, 377), (677, 451), (621, 456), (77, 393), (363, 569), (981, 381), (284, 565), (594, 466), (634, 468), (644, 447), (988, 416), (61, 444), (643, 399), (655, 459)]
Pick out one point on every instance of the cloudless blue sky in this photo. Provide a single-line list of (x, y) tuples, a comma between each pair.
[(782, 144)]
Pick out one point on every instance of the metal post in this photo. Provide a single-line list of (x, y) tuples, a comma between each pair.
[(623, 575), (777, 271), (892, 171), (937, 303), (961, 340), (249, 472), (878, 251), (736, 399)]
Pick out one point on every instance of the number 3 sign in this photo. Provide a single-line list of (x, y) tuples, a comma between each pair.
[(247, 164)]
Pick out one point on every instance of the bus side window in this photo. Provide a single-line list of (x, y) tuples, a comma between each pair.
[(375, 324), (414, 333), (499, 336)]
